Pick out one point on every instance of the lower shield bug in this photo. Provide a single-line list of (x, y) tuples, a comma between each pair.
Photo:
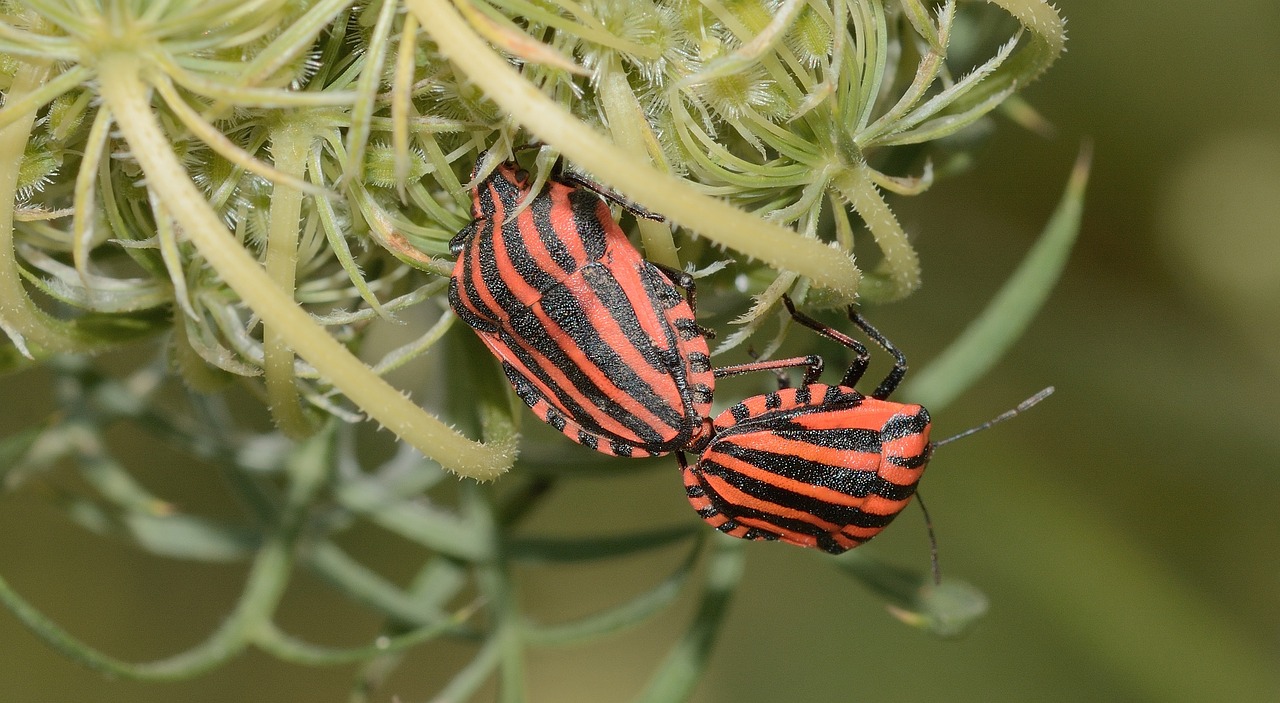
[(817, 466)]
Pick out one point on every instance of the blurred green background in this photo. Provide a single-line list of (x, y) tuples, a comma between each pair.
[(1127, 531)]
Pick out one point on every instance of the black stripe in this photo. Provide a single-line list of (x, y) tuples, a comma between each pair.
[(465, 314), (531, 395), (620, 448), (467, 281), (667, 294), (541, 207), (565, 311), (843, 439), (687, 328), (555, 418), (615, 301), (828, 544), (738, 512), (843, 517), (900, 426), (584, 205), (546, 351), (773, 401), (911, 462), (755, 533), (848, 482), (698, 362), (484, 198), (521, 261), (776, 420), (492, 277), (463, 236), (509, 192), (658, 287)]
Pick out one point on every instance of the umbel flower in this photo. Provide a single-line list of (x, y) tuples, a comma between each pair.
[(263, 185)]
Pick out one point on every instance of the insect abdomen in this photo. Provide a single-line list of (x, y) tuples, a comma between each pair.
[(825, 468)]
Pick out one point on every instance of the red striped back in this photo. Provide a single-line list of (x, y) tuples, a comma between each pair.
[(597, 341), (816, 466)]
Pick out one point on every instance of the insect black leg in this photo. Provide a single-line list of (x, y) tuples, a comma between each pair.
[(813, 364), (684, 280), (891, 381), (610, 194), (860, 361), (784, 381)]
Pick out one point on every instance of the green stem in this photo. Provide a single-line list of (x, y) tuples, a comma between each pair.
[(660, 192), (126, 94), (900, 258), (292, 649), (289, 145), (32, 330)]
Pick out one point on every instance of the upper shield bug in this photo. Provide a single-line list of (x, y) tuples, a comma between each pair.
[(598, 342), (817, 466)]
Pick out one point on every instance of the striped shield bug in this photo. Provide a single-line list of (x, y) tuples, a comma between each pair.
[(600, 343), (817, 466)]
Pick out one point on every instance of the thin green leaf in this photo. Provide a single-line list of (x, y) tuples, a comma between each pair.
[(290, 648), (1005, 318), (364, 586)]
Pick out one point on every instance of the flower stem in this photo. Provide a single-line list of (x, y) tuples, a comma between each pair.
[(126, 95), (289, 144), (660, 192)]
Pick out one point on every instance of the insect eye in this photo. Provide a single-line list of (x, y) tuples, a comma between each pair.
[(521, 176)]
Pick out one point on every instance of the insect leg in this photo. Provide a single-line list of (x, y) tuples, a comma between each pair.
[(860, 361)]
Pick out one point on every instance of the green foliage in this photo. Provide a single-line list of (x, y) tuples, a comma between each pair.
[(248, 192)]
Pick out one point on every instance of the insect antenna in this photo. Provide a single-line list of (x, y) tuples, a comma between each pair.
[(933, 542), (1023, 406)]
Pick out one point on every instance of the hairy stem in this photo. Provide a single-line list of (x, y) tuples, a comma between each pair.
[(126, 94)]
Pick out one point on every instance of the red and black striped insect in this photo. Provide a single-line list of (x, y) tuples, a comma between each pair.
[(817, 466), (598, 342)]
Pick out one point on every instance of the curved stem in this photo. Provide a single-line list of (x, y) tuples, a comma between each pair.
[(32, 330), (126, 94), (660, 192), (900, 258)]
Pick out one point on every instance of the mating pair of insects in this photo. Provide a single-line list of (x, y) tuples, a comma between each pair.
[(604, 346)]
